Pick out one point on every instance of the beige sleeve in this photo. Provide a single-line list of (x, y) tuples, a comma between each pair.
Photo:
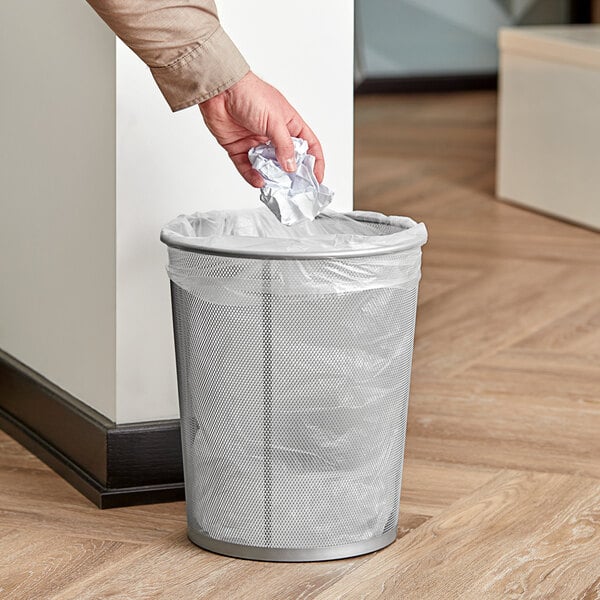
[(189, 54)]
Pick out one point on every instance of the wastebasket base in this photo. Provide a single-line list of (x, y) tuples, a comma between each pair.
[(292, 554)]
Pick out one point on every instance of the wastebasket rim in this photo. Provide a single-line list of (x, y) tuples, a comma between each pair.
[(401, 243)]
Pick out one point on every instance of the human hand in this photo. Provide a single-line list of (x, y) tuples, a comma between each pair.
[(250, 113)]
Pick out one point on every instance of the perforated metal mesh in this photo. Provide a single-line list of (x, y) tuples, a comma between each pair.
[(293, 406)]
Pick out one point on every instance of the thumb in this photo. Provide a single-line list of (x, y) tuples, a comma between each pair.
[(284, 147)]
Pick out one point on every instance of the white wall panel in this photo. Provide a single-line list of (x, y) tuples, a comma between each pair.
[(169, 163), (57, 195)]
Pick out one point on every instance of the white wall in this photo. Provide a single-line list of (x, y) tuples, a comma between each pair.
[(57, 202), (168, 164)]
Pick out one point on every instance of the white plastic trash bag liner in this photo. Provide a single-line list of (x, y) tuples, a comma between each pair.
[(294, 348), (363, 250)]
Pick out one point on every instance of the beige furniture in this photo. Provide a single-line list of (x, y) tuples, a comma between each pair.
[(549, 120)]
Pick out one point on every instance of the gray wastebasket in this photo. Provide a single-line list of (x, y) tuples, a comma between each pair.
[(293, 363)]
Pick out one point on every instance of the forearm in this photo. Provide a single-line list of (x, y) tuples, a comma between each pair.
[(190, 56)]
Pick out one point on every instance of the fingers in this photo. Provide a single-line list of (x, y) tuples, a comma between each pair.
[(254, 178), (298, 128), (242, 164), (242, 145), (314, 148), (284, 148), (238, 153)]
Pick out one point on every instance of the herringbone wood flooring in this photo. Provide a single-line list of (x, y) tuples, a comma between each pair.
[(501, 494)]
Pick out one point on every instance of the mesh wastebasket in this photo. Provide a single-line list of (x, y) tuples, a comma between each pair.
[(293, 350)]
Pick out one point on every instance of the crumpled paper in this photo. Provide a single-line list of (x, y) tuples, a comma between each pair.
[(291, 197)]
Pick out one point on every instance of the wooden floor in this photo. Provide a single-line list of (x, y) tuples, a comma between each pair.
[(501, 495)]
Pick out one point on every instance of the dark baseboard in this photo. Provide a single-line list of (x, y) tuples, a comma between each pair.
[(112, 465), (581, 11), (429, 83)]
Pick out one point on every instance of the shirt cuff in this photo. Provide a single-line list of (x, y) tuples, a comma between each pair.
[(211, 67)]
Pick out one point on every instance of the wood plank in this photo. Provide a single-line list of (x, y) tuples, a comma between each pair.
[(522, 535), (509, 419), (139, 524), (510, 302), (438, 280), (153, 572), (549, 373), (469, 247), (33, 495), (429, 486), (592, 592), (576, 332), (34, 564), (13, 456), (175, 568)]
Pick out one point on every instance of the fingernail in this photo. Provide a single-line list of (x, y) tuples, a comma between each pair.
[(290, 165)]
